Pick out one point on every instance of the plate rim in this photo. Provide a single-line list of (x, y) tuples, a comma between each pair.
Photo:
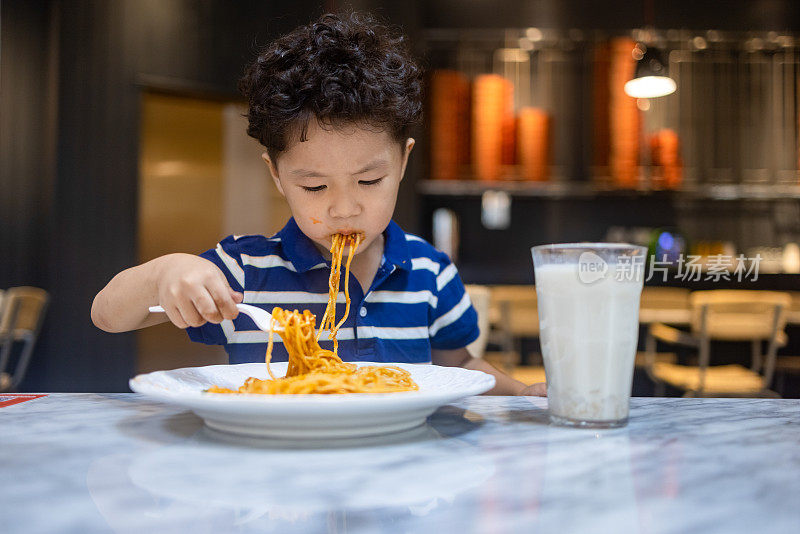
[(138, 385)]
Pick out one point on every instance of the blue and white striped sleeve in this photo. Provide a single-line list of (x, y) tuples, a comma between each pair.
[(454, 322), (226, 255)]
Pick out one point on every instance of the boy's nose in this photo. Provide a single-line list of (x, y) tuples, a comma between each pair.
[(345, 206)]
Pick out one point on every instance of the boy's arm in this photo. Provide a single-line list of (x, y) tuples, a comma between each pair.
[(191, 289), (504, 385)]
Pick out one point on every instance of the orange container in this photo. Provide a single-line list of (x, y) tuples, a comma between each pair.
[(601, 106), (533, 143), (449, 112), (624, 117), (667, 166), (492, 125)]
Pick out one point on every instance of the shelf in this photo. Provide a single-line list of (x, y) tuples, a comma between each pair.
[(565, 189)]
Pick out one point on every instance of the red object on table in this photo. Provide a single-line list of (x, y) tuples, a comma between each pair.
[(9, 399)]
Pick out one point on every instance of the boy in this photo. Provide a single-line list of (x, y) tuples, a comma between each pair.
[(332, 102)]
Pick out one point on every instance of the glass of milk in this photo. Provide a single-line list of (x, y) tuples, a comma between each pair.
[(588, 297)]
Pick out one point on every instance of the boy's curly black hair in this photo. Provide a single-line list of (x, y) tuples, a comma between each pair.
[(339, 69)]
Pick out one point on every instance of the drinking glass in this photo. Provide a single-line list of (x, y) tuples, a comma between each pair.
[(588, 297)]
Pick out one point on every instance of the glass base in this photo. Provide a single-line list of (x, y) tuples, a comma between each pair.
[(579, 423)]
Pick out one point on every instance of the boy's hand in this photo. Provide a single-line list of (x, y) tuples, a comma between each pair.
[(193, 291), (536, 390)]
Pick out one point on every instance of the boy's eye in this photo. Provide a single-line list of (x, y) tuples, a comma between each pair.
[(314, 189), (371, 182)]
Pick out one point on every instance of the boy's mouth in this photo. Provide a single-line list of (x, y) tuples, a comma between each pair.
[(350, 232)]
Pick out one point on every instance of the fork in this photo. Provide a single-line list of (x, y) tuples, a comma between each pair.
[(261, 317)]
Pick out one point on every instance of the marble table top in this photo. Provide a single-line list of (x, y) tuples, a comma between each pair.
[(120, 463)]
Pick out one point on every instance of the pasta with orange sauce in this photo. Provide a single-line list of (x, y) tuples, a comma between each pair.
[(312, 369)]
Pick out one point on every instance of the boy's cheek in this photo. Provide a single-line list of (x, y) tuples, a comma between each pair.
[(315, 232)]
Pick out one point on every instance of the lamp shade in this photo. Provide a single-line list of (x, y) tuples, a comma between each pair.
[(651, 79)]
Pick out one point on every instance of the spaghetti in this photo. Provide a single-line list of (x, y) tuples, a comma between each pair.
[(328, 322), (313, 369)]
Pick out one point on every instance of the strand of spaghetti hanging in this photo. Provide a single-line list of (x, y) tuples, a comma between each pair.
[(328, 322), (337, 247)]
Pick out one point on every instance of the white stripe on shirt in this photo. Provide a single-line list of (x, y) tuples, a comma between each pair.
[(259, 336), (292, 297), (452, 316), (230, 263), (267, 262), (412, 237), (425, 263), (444, 278), (388, 332), (403, 297), (381, 332)]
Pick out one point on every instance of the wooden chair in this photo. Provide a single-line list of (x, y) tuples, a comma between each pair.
[(665, 298), (662, 305), (514, 315), (786, 365), (22, 317), (728, 315), (5, 379), (480, 297)]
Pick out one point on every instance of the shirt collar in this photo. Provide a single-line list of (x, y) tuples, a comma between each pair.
[(395, 248), (304, 254), (299, 249)]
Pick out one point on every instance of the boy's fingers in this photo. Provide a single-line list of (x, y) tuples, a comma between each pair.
[(207, 306), (539, 389), (224, 301), (175, 316), (190, 313), (237, 297)]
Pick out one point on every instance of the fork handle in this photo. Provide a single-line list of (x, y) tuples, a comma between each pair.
[(160, 309)]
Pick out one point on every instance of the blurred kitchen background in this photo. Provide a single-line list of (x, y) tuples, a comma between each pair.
[(122, 139)]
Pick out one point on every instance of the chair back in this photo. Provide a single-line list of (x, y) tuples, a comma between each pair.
[(669, 298), (515, 310), (480, 297), (739, 315), (23, 313)]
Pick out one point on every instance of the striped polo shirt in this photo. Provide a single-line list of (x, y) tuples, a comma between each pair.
[(416, 303)]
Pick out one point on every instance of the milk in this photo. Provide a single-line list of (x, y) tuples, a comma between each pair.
[(588, 333)]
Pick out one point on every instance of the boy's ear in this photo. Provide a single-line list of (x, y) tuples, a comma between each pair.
[(273, 171), (409, 146)]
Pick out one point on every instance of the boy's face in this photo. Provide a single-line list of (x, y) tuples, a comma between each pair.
[(341, 180)]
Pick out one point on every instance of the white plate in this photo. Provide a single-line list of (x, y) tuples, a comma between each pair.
[(309, 416)]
